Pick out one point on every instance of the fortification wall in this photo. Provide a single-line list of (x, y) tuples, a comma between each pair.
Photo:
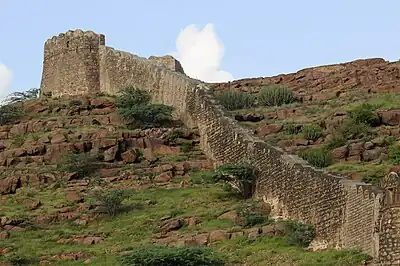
[(71, 64), (389, 236), (345, 213)]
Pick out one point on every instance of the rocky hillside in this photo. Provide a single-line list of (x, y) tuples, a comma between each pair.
[(78, 186), (350, 110)]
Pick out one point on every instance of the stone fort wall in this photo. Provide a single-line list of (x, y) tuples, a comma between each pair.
[(346, 214)]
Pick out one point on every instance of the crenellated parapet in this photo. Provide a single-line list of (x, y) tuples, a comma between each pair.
[(73, 41)]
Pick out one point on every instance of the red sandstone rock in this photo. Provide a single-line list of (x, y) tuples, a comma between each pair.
[(109, 154), (130, 156), (73, 196), (172, 225), (9, 185), (217, 236), (101, 103), (58, 138), (390, 117), (164, 177), (4, 235), (340, 153), (268, 129), (231, 215)]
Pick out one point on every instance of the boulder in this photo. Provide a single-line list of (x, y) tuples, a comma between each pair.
[(130, 156), (268, 129), (172, 225), (231, 215), (340, 153), (217, 236), (9, 185), (250, 117), (110, 154), (389, 117), (73, 196)]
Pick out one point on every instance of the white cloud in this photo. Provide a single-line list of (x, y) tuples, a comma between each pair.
[(200, 53), (5, 81)]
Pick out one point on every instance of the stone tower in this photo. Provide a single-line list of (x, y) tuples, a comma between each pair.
[(71, 64)]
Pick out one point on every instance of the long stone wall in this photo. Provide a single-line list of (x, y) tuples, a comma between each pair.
[(346, 214)]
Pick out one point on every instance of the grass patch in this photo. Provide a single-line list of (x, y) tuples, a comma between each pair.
[(135, 229)]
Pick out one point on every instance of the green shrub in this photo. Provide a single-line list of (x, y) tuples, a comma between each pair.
[(132, 96), (9, 114), (350, 130), (364, 114), (112, 200), (202, 178), (21, 260), (233, 100), (240, 177), (83, 164), (394, 154), (177, 256), (318, 157), (149, 115), (311, 132), (186, 147), (292, 128), (299, 234), (275, 95), (252, 214), (171, 137), (336, 142), (134, 106)]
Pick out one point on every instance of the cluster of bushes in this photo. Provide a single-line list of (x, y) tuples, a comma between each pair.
[(135, 108), (319, 157), (273, 95), (296, 234), (241, 178), (177, 256), (232, 100), (9, 114)]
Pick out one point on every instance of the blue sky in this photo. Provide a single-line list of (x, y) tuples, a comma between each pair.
[(260, 38)]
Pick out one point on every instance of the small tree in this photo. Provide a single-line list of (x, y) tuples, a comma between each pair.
[(112, 200), (241, 177), (19, 96), (132, 96), (83, 164), (9, 114), (135, 107)]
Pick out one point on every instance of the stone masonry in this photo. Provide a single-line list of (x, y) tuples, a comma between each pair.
[(346, 214)]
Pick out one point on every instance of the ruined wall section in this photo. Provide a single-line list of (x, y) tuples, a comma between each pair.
[(71, 64)]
